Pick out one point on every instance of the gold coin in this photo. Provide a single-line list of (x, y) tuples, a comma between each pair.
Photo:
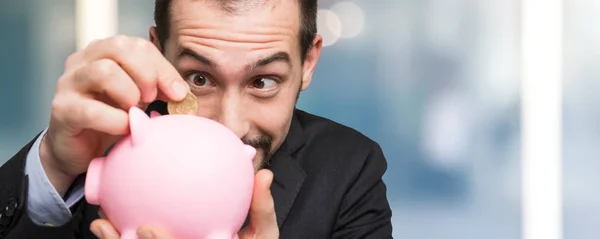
[(187, 106)]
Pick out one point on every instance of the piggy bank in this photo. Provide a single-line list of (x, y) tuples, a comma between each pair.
[(187, 174)]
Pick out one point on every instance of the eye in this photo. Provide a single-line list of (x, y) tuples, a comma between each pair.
[(264, 83), (198, 79)]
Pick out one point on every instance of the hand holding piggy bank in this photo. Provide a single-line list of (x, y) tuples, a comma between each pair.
[(187, 174)]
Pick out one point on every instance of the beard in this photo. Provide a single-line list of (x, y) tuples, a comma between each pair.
[(262, 144)]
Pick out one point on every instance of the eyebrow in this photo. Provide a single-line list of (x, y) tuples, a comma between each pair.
[(277, 57), (198, 57), (283, 57)]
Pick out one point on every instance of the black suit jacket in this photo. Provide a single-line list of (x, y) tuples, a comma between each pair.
[(327, 184)]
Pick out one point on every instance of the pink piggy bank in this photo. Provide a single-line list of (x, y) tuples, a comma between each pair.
[(188, 174)]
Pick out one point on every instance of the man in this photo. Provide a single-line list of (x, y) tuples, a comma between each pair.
[(246, 61)]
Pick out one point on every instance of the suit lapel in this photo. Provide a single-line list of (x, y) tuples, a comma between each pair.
[(286, 184), (288, 175)]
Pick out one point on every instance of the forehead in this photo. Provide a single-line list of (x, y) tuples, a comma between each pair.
[(237, 15)]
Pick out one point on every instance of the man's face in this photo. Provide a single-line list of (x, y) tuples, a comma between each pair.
[(243, 64)]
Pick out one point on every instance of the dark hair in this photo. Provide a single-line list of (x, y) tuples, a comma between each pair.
[(308, 27)]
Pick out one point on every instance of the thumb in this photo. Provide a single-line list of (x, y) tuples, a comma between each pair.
[(262, 207), (263, 221)]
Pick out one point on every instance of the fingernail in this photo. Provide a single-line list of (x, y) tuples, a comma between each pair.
[(145, 234), (179, 89), (101, 214), (97, 232)]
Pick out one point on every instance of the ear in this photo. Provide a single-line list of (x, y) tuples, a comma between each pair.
[(153, 36), (310, 62), (137, 122)]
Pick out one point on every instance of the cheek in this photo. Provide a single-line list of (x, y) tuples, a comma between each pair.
[(273, 115), (208, 106)]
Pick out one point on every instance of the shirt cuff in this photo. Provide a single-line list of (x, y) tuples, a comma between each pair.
[(45, 205)]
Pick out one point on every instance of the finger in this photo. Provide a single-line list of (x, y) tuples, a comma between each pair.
[(151, 232), (144, 63), (103, 229), (106, 77), (75, 60), (83, 113), (262, 208)]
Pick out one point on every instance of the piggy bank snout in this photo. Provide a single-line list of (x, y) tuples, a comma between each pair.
[(93, 180)]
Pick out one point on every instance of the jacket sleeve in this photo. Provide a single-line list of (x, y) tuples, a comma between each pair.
[(365, 211), (14, 219)]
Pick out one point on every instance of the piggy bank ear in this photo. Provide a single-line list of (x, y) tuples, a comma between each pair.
[(137, 120), (154, 114), (250, 151)]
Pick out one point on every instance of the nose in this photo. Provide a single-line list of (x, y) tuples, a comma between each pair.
[(232, 115)]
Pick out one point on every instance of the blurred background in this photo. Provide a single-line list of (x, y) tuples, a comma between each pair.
[(435, 83), (581, 111)]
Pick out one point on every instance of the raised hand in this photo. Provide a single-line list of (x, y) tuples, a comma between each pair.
[(89, 110)]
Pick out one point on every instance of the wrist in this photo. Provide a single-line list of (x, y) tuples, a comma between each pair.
[(59, 178)]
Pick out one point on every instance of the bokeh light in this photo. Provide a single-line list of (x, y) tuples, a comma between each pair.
[(329, 26), (352, 17)]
